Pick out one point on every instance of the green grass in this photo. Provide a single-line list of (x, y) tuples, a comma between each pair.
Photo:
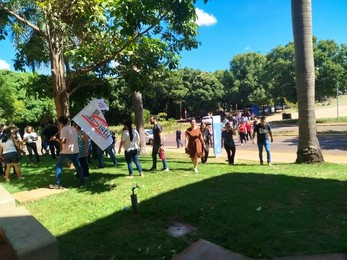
[(255, 210)]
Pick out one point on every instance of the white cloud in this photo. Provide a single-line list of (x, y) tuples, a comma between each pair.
[(4, 65), (204, 18)]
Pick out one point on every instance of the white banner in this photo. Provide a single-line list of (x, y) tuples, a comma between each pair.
[(93, 123)]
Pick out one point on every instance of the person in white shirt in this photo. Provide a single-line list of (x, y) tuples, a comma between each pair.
[(130, 140), (9, 154), (69, 152), (30, 138)]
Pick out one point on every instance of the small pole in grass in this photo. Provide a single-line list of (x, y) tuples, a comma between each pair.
[(133, 196)]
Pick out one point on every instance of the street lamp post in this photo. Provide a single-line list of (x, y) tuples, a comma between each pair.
[(337, 101)]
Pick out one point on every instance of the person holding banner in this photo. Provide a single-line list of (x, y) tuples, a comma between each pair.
[(83, 145), (194, 143), (130, 140), (158, 148), (69, 152)]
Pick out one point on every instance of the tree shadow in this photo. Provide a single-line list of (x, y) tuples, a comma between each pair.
[(260, 215)]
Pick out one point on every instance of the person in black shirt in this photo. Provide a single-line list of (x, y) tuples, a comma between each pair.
[(178, 138), (264, 136), (48, 132), (206, 135), (158, 148)]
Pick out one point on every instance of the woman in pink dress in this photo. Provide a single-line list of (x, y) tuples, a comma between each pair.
[(194, 143)]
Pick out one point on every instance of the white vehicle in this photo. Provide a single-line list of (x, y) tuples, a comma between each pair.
[(149, 136), (206, 120)]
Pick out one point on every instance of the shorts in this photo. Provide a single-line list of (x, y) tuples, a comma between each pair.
[(10, 157)]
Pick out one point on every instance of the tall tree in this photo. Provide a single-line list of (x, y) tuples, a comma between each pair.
[(84, 36), (308, 148), (279, 74), (206, 93), (247, 70)]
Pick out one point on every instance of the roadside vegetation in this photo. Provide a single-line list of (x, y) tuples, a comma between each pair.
[(255, 210)]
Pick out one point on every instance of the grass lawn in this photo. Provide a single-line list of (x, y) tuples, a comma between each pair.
[(255, 210)]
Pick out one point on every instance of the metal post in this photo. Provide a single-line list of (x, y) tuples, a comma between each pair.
[(337, 102)]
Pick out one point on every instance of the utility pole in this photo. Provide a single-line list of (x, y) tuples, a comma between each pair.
[(337, 101)]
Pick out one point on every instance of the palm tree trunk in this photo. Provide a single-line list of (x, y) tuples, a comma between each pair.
[(308, 148)]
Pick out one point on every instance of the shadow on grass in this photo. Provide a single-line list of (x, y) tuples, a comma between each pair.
[(259, 215)]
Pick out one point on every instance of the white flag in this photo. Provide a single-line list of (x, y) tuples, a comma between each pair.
[(93, 123), (102, 104)]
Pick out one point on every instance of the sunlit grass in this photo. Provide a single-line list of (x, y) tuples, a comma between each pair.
[(255, 210)]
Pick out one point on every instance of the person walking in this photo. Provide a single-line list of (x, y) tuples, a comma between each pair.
[(242, 132), (69, 152), (178, 138), (228, 143), (30, 138), (9, 147), (83, 143), (158, 141), (130, 139), (194, 143), (264, 137), (207, 136)]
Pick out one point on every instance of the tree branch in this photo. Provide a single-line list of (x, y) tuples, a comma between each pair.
[(22, 20), (109, 58)]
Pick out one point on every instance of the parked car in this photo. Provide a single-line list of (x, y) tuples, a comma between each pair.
[(149, 136), (207, 120)]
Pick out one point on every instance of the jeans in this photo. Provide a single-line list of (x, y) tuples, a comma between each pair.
[(63, 159), (155, 152), (267, 149), (179, 143), (130, 156), (230, 153), (85, 166), (110, 152), (54, 148)]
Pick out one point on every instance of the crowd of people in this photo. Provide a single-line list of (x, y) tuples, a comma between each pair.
[(69, 143)]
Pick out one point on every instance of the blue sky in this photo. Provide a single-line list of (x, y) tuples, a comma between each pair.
[(230, 27)]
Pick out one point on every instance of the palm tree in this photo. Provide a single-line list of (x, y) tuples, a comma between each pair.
[(308, 148)]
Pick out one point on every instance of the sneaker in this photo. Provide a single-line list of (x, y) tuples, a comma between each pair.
[(153, 169), (166, 170), (55, 187), (21, 178), (141, 174), (269, 164), (129, 177), (196, 170), (261, 163), (6, 179)]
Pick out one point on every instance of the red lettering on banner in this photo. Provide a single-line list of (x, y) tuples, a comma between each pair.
[(99, 124)]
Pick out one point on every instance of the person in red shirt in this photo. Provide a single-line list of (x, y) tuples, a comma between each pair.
[(242, 132)]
